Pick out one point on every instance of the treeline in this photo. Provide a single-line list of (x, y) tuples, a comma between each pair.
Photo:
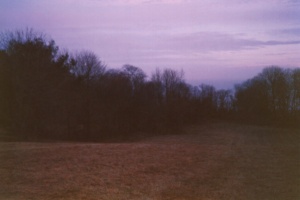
[(272, 97), (45, 93)]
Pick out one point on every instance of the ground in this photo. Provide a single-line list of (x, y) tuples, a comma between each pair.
[(212, 161)]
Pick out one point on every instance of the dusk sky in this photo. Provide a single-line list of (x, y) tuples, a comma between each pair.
[(218, 42)]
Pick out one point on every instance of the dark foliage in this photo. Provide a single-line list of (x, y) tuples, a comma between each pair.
[(271, 97), (52, 95)]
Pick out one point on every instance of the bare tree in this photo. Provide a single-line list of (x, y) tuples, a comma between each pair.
[(9, 39), (295, 90), (136, 77), (224, 100), (171, 79), (278, 88), (87, 66), (208, 96), (157, 86)]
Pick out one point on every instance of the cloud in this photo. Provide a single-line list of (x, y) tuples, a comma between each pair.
[(287, 31), (212, 41), (153, 33), (273, 42), (159, 1), (135, 2)]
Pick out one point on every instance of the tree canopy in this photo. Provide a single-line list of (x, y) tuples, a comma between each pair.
[(45, 93)]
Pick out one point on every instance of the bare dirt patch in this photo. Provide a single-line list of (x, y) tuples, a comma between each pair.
[(217, 161)]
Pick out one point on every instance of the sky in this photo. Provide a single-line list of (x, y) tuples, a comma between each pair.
[(219, 42)]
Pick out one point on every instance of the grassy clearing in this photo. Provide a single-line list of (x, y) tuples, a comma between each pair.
[(216, 161)]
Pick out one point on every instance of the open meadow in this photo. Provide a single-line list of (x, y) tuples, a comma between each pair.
[(213, 161)]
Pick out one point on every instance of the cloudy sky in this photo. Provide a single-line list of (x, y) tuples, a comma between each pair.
[(219, 42)]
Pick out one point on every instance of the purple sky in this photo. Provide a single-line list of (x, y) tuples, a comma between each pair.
[(214, 41)]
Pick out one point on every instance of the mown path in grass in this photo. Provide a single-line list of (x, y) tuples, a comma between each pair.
[(215, 161)]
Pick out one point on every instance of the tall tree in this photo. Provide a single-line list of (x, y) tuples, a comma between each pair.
[(208, 99), (31, 69), (224, 100), (136, 77), (87, 69), (278, 89), (295, 90), (5, 90)]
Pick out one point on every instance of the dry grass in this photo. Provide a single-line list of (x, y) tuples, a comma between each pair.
[(217, 161)]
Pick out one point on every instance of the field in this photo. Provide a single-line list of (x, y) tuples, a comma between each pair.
[(213, 161)]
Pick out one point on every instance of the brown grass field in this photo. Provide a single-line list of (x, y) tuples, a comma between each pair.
[(215, 161)]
